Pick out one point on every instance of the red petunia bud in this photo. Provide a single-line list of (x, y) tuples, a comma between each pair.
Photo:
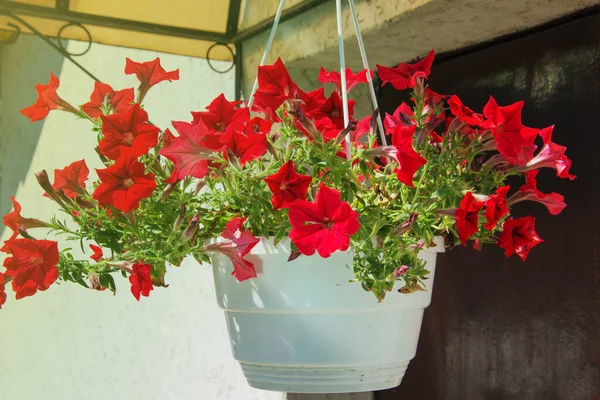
[(190, 231), (44, 182), (180, 218), (405, 226), (400, 271)]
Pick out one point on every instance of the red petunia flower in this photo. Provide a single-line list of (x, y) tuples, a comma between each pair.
[(496, 207), (222, 115), (323, 226), (2, 290), (405, 75), (409, 161), (124, 184), (245, 147), (467, 217), (71, 179), (104, 95), (402, 116), (32, 264), (464, 113), (514, 140), (238, 244), (333, 109), (432, 99), (149, 74), (287, 185), (519, 236), (551, 155), (98, 253), (128, 133), (362, 128), (192, 150), (258, 125), (335, 77), (141, 281), (554, 202), (275, 86), (168, 140), (312, 100), (16, 222), (241, 242), (47, 100)]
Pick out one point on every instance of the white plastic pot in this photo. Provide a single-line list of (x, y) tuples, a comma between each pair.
[(301, 326)]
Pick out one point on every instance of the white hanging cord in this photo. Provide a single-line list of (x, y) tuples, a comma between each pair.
[(363, 55), (338, 4), (267, 48)]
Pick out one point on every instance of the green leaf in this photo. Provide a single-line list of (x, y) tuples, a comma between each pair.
[(440, 193), (107, 281), (80, 280)]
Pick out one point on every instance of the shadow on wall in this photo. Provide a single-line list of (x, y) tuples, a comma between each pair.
[(22, 66)]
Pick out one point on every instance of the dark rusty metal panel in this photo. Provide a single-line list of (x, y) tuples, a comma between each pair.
[(498, 328)]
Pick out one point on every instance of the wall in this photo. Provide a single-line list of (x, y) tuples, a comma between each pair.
[(393, 31), (500, 329), (70, 343)]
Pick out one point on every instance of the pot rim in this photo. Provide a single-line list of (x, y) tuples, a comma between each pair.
[(266, 246)]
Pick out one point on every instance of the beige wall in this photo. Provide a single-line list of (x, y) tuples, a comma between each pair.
[(70, 343)]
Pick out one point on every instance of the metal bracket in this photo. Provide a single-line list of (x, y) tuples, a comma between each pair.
[(56, 46), (62, 12), (13, 38)]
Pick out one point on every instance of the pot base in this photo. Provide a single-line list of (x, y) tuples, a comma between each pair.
[(319, 379)]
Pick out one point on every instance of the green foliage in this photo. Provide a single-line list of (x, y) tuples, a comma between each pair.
[(389, 236)]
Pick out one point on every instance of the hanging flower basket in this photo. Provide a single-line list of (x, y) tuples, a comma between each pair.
[(333, 300), (293, 333)]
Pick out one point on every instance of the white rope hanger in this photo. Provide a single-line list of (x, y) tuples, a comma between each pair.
[(267, 49), (363, 55), (344, 84)]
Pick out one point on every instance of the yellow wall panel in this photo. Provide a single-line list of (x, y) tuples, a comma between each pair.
[(207, 15), (117, 37)]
